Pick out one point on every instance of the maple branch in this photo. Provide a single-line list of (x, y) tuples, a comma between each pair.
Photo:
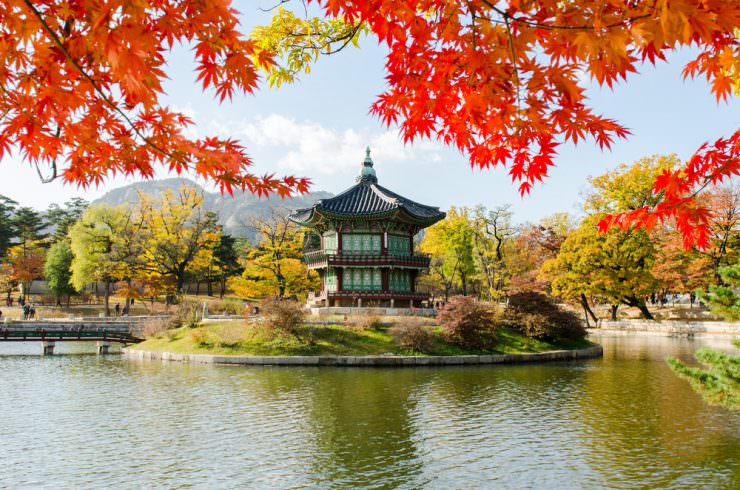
[(530, 23), (516, 70), (95, 86), (270, 9)]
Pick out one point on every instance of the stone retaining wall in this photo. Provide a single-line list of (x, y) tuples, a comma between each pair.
[(370, 310), (367, 361), (671, 327)]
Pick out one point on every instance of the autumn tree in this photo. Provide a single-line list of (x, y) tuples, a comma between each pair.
[(57, 271), (497, 80), (724, 225), (613, 266), (450, 243), (273, 267), (27, 261), (177, 234), (93, 242), (492, 231), (532, 245), (6, 280), (27, 255), (677, 269)]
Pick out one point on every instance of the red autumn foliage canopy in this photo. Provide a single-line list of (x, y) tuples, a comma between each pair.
[(497, 80), (82, 80)]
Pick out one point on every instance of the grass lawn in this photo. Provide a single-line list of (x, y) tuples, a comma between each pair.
[(237, 338)]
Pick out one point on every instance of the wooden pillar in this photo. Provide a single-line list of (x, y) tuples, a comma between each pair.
[(412, 280), (384, 280), (48, 347), (339, 242), (103, 347), (340, 273)]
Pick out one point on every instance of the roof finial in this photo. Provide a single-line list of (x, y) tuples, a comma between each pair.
[(367, 173), (368, 160)]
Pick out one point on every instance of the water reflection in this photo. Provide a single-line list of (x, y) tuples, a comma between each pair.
[(623, 421)]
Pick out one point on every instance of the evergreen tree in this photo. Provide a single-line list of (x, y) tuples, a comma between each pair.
[(29, 225), (723, 298), (62, 219), (226, 261), (57, 270), (7, 224)]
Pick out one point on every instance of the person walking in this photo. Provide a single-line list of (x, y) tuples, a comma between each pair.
[(118, 309)]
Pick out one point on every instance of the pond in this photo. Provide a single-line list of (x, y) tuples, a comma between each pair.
[(624, 421)]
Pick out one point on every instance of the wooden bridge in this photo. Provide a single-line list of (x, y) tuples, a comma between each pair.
[(49, 332)]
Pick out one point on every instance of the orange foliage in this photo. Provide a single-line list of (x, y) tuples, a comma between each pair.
[(497, 80), (81, 86)]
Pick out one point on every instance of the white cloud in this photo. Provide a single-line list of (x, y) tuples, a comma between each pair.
[(307, 147)]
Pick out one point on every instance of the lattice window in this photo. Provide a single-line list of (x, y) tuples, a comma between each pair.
[(330, 281), (399, 245), (399, 280), (360, 243), (362, 280), (330, 241)]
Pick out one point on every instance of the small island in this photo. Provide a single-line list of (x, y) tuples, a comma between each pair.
[(466, 331), (368, 310)]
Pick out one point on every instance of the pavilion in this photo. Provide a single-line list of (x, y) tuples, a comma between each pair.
[(362, 244)]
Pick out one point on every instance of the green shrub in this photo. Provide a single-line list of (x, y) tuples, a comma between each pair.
[(188, 313), (365, 322), (470, 323), (719, 383), (200, 337), (724, 300), (282, 315), (231, 334), (539, 317), (412, 335), (226, 307)]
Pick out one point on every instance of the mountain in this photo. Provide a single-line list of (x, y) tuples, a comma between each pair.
[(234, 212)]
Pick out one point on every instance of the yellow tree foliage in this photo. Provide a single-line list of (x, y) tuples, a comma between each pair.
[(103, 243), (450, 243), (178, 235), (274, 266)]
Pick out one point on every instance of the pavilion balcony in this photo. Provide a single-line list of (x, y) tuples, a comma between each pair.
[(369, 295), (324, 258)]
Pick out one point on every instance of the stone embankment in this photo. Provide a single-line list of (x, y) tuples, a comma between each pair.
[(670, 327), (367, 361)]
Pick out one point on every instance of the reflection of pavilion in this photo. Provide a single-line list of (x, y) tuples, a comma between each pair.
[(363, 247)]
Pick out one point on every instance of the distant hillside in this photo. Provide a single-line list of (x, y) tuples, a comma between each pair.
[(234, 211)]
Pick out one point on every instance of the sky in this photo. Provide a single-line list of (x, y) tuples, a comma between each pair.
[(319, 128)]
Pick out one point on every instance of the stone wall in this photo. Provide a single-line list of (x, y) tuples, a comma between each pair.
[(367, 361), (670, 327), (381, 311)]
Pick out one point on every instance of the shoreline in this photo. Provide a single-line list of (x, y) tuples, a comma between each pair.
[(668, 328), (591, 352)]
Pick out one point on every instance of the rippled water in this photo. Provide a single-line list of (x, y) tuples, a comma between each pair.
[(624, 421)]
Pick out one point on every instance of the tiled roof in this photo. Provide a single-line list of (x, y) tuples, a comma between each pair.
[(368, 199)]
